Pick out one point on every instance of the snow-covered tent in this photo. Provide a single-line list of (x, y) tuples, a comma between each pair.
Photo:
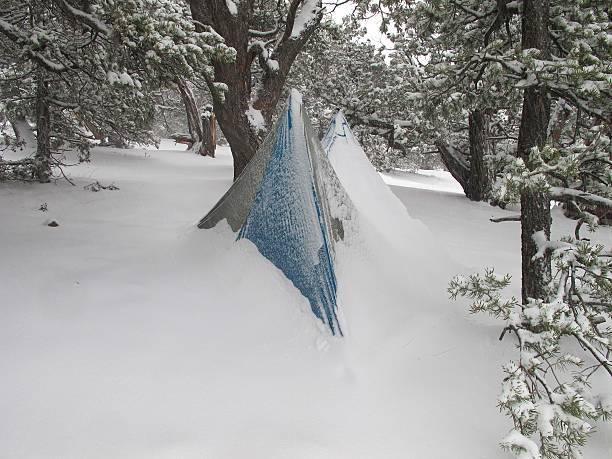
[(378, 207), (290, 204)]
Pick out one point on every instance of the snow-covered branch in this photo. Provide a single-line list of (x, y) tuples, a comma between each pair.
[(569, 194), (87, 19)]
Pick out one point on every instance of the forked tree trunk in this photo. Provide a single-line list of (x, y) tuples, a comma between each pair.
[(472, 172), (194, 118), (535, 207), (243, 113), (236, 127), (43, 130)]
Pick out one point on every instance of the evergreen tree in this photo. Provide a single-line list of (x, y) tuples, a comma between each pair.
[(86, 70), (375, 91), (563, 155)]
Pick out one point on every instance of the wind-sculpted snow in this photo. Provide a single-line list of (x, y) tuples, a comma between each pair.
[(379, 209), (289, 203)]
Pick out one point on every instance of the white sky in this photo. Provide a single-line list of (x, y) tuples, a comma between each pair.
[(372, 25)]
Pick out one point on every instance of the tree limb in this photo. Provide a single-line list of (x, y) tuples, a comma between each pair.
[(510, 218)]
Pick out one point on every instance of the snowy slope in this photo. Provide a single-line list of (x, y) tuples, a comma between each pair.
[(128, 333)]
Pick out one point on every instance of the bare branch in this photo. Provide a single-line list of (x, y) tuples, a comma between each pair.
[(510, 218)]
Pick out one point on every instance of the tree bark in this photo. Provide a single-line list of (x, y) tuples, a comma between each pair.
[(42, 167), (479, 188), (473, 175), (535, 207), (194, 118), (232, 109), (456, 163), (209, 130)]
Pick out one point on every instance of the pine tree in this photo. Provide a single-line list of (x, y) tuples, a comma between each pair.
[(94, 68), (563, 155)]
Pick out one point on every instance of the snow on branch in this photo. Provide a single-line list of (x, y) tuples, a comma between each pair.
[(517, 440), (89, 20), (299, 20), (17, 36), (290, 21), (307, 16), (470, 11), (264, 33), (232, 7), (584, 197)]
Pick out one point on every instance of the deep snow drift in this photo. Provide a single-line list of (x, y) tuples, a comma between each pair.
[(128, 333)]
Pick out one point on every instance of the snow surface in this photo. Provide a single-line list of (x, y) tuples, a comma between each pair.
[(128, 333), (423, 179)]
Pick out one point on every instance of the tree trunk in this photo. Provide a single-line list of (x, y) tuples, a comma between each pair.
[(18, 123), (243, 116), (43, 130), (209, 131), (232, 108), (535, 207), (473, 175), (236, 127), (456, 163), (479, 188), (194, 118)]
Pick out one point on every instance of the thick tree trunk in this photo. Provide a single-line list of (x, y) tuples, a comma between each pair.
[(43, 131), (480, 175), (535, 207), (232, 109), (243, 116), (236, 127)]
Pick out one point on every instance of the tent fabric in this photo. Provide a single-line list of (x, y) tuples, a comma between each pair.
[(289, 203)]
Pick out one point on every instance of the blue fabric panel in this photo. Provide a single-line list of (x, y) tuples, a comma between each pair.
[(286, 224)]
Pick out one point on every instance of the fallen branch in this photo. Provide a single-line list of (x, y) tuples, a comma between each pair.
[(510, 218), (97, 186)]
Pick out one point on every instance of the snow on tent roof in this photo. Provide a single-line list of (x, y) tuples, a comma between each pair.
[(370, 195), (290, 204)]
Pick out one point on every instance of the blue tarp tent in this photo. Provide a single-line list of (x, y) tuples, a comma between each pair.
[(290, 204)]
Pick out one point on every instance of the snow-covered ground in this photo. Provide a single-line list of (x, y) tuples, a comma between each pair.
[(127, 333)]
